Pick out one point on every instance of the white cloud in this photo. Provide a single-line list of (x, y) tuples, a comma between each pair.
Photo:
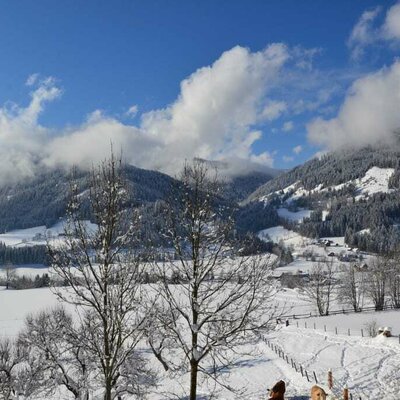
[(287, 159), (369, 114), (298, 149), (363, 32), (273, 110), (32, 79), (305, 57), (265, 158), (216, 109), (214, 117), (367, 32), (22, 138), (288, 126), (132, 111), (391, 26)]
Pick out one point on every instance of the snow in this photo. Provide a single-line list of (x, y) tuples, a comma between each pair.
[(369, 366), (364, 232), (325, 213), (279, 233), (31, 271), (296, 216), (17, 304), (36, 235), (376, 180)]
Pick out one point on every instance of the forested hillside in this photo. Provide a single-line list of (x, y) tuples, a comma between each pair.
[(42, 200), (352, 193), (333, 169)]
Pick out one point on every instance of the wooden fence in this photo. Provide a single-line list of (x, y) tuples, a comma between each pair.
[(336, 312), (336, 387)]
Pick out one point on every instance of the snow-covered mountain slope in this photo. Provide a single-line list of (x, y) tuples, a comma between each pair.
[(375, 180), (345, 193), (42, 200), (331, 170)]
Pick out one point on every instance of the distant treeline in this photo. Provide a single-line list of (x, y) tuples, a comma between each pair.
[(23, 255)]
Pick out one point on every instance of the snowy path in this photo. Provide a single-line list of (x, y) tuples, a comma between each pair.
[(368, 366), (254, 374)]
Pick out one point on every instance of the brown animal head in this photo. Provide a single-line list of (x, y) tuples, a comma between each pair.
[(277, 392), (317, 393)]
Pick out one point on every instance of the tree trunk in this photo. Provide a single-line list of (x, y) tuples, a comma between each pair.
[(193, 379), (108, 389)]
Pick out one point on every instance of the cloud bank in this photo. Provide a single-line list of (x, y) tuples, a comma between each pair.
[(216, 116), (367, 32), (369, 114)]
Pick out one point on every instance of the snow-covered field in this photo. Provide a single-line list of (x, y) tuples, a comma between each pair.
[(279, 233), (37, 235), (369, 366)]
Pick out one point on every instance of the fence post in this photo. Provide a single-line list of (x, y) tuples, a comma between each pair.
[(362, 332), (315, 326), (305, 324), (336, 330), (301, 370), (345, 393), (308, 380), (315, 377), (330, 379), (297, 323), (349, 331), (325, 328)]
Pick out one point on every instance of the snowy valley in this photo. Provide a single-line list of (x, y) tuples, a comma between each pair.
[(298, 339)]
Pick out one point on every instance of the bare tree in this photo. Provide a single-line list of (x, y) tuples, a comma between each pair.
[(377, 281), (101, 266), (210, 301), (10, 274), (393, 286), (21, 373), (320, 289), (352, 286), (52, 337)]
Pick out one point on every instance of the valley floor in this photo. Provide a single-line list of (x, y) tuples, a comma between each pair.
[(369, 366)]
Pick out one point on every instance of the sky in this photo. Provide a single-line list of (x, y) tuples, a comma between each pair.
[(258, 83)]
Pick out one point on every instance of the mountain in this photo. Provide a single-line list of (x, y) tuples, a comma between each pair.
[(351, 193), (42, 200), (241, 178)]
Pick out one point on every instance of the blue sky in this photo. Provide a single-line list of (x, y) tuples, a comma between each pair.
[(90, 62)]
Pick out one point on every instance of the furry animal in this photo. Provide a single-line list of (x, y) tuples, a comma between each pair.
[(317, 393), (277, 391)]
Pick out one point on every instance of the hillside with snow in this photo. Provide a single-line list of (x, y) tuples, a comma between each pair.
[(354, 194)]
